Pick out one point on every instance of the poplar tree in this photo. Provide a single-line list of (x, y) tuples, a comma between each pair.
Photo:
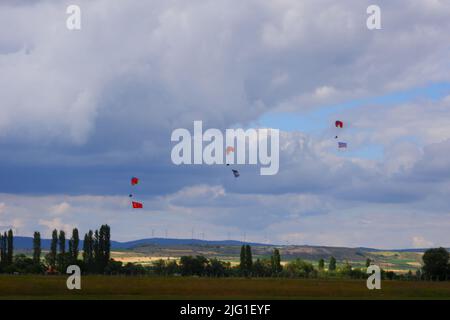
[(107, 245), (243, 261), (88, 250), (248, 258), (276, 261), (53, 248), (10, 244), (3, 249), (96, 248), (37, 248), (74, 242), (62, 251)]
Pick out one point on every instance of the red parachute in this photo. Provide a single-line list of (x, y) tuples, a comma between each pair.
[(137, 205), (339, 124), (134, 181), (230, 149)]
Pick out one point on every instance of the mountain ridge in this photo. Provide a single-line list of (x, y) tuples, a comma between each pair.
[(26, 243)]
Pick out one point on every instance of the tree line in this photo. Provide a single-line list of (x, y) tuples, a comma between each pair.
[(95, 258), (63, 252), (272, 267)]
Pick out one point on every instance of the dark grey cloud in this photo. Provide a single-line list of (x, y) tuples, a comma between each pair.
[(84, 111)]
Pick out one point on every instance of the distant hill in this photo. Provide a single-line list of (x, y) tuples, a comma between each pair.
[(143, 250), (26, 243)]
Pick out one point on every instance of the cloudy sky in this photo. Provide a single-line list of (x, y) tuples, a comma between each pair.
[(83, 111)]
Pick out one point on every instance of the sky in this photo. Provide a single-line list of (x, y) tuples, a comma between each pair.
[(82, 111)]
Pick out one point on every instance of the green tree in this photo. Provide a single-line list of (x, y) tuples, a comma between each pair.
[(172, 267), (101, 249), (104, 245), (51, 258), (248, 258), (10, 245), (97, 253), (346, 269), (243, 260), (37, 248), (159, 267), (217, 268), (3, 249), (88, 251), (193, 265), (275, 262), (107, 243), (73, 246), (321, 264), (262, 268), (114, 267), (85, 248), (436, 264), (300, 268), (62, 251), (332, 264)]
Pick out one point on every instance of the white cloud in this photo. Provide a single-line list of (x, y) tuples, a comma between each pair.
[(169, 65), (111, 94), (55, 223), (60, 208), (421, 242)]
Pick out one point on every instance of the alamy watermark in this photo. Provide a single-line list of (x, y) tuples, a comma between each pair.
[(374, 20), (73, 22), (374, 280), (74, 280), (251, 146)]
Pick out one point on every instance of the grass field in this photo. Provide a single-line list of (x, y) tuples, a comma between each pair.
[(115, 287), (397, 261)]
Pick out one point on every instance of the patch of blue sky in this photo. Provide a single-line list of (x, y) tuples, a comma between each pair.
[(370, 152), (315, 121)]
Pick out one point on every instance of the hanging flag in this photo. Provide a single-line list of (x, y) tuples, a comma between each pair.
[(137, 205), (134, 181), (342, 145)]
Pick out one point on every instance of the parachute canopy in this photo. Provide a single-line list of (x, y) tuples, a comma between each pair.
[(134, 181), (137, 205), (339, 124), (230, 149)]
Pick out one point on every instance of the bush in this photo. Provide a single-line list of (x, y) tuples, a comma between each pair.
[(300, 268)]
